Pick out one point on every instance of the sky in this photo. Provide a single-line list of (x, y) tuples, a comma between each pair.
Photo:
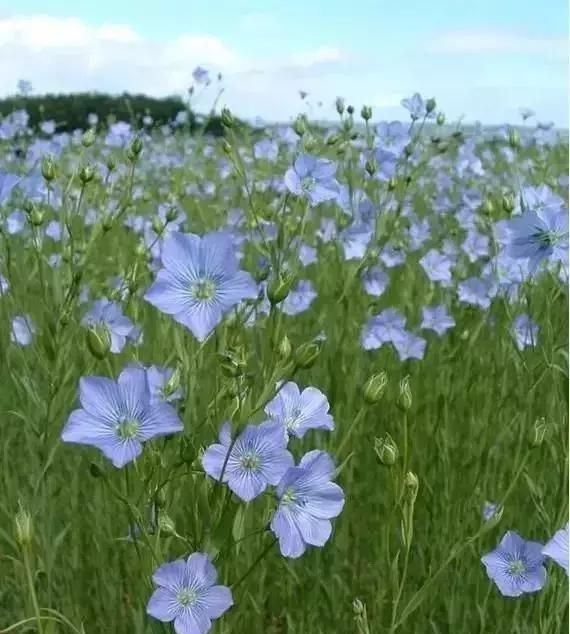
[(481, 60)]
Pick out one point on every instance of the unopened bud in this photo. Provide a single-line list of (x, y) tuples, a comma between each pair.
[(172, 384), (171, 214), (333, 139), (366, 113), (279, 287), (284, 349), (307, 353), (233, 363), (508, 203), (514, 139), (48, 168), (350, 110), (358, 607), (386, 450), (392, 182), (111, 164), (538, 432), (137, 146), (487, 207), (339, 103), (86, 174), (440, 120), (88, 138), (431, 105), (166, 525), (157, 225), (37, 216), (107, 223), (24, 527), (375, 387), (405, 395), (98, 342), (411, 484), (300, 125)]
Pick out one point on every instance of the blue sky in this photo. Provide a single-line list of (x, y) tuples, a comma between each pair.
[(480, 60)]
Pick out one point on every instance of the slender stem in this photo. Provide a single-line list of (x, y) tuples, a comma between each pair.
[(32, 588), (254, 564)]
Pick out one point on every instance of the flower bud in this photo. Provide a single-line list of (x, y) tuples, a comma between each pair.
[(366, 113), (358, 607), (350, 110), (37, 216), (173, 383), (111, 164), (431, 105), (386, 450), (405, 396), (279, 287), (307, 353), (233, 363), (392, 183), (375, 387), (333, 139), (411, 484), (339, 104), (284, 349), (24, 526), (86, 174), (538, 432), (514, 139), (98, 342), (166, 525), (157, 225), (88, 138), (107, 223), (171, 214), (137, 146), (440, 120), (508, 203), (227, 118), (487, 207), (48, 168)]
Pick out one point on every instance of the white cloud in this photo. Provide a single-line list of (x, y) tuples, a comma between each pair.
[(496, 41)]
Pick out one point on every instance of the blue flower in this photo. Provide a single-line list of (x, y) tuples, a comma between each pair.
[(158, 384), (386, 327), (409, 346), (299, 298), (375, 281), (557, 548), (23, 329), (300, 411), (307, 502), (437, 318), (437, 267), (257, 459), (416, 106), (108, 316), (312, 178), (200, 281), (7, 184), (490, 510), (188, 595), (525, 331), (117, 417), (516, 566), (539, 235), (201, 75)]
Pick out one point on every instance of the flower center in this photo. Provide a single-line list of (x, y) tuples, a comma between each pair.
[(250, 461), (292, 421), (289, 496), (203, 289), (548, 238), (186, 597), (516, 567), (308, 182), (127, 428)]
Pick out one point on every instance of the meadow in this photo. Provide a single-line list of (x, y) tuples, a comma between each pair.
[(329, 365)]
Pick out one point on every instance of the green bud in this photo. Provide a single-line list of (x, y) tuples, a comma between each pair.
[(227, 118), (488, 208), (98, 342), (392, 183), (171, 214), (233, 363), (86, 174), (157, 225), (333, 139), (48, 168), (358, 607), (300, 125), (339, 103), (141, 250), (107, 223), (508, 203), (375, 387), (350, 110), (514, 139), (111, 164), (173, 383), (137, 146), (160, 498), (431, 105), (386, 450), (405, 397), (88, 138), (538, 432), (37, 216), (366, 113), (411, 484), (307, 353), (440, 120), (279, 287), (284, 349), (310, 144), (24, 526), (370, 167), (227, 148)]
